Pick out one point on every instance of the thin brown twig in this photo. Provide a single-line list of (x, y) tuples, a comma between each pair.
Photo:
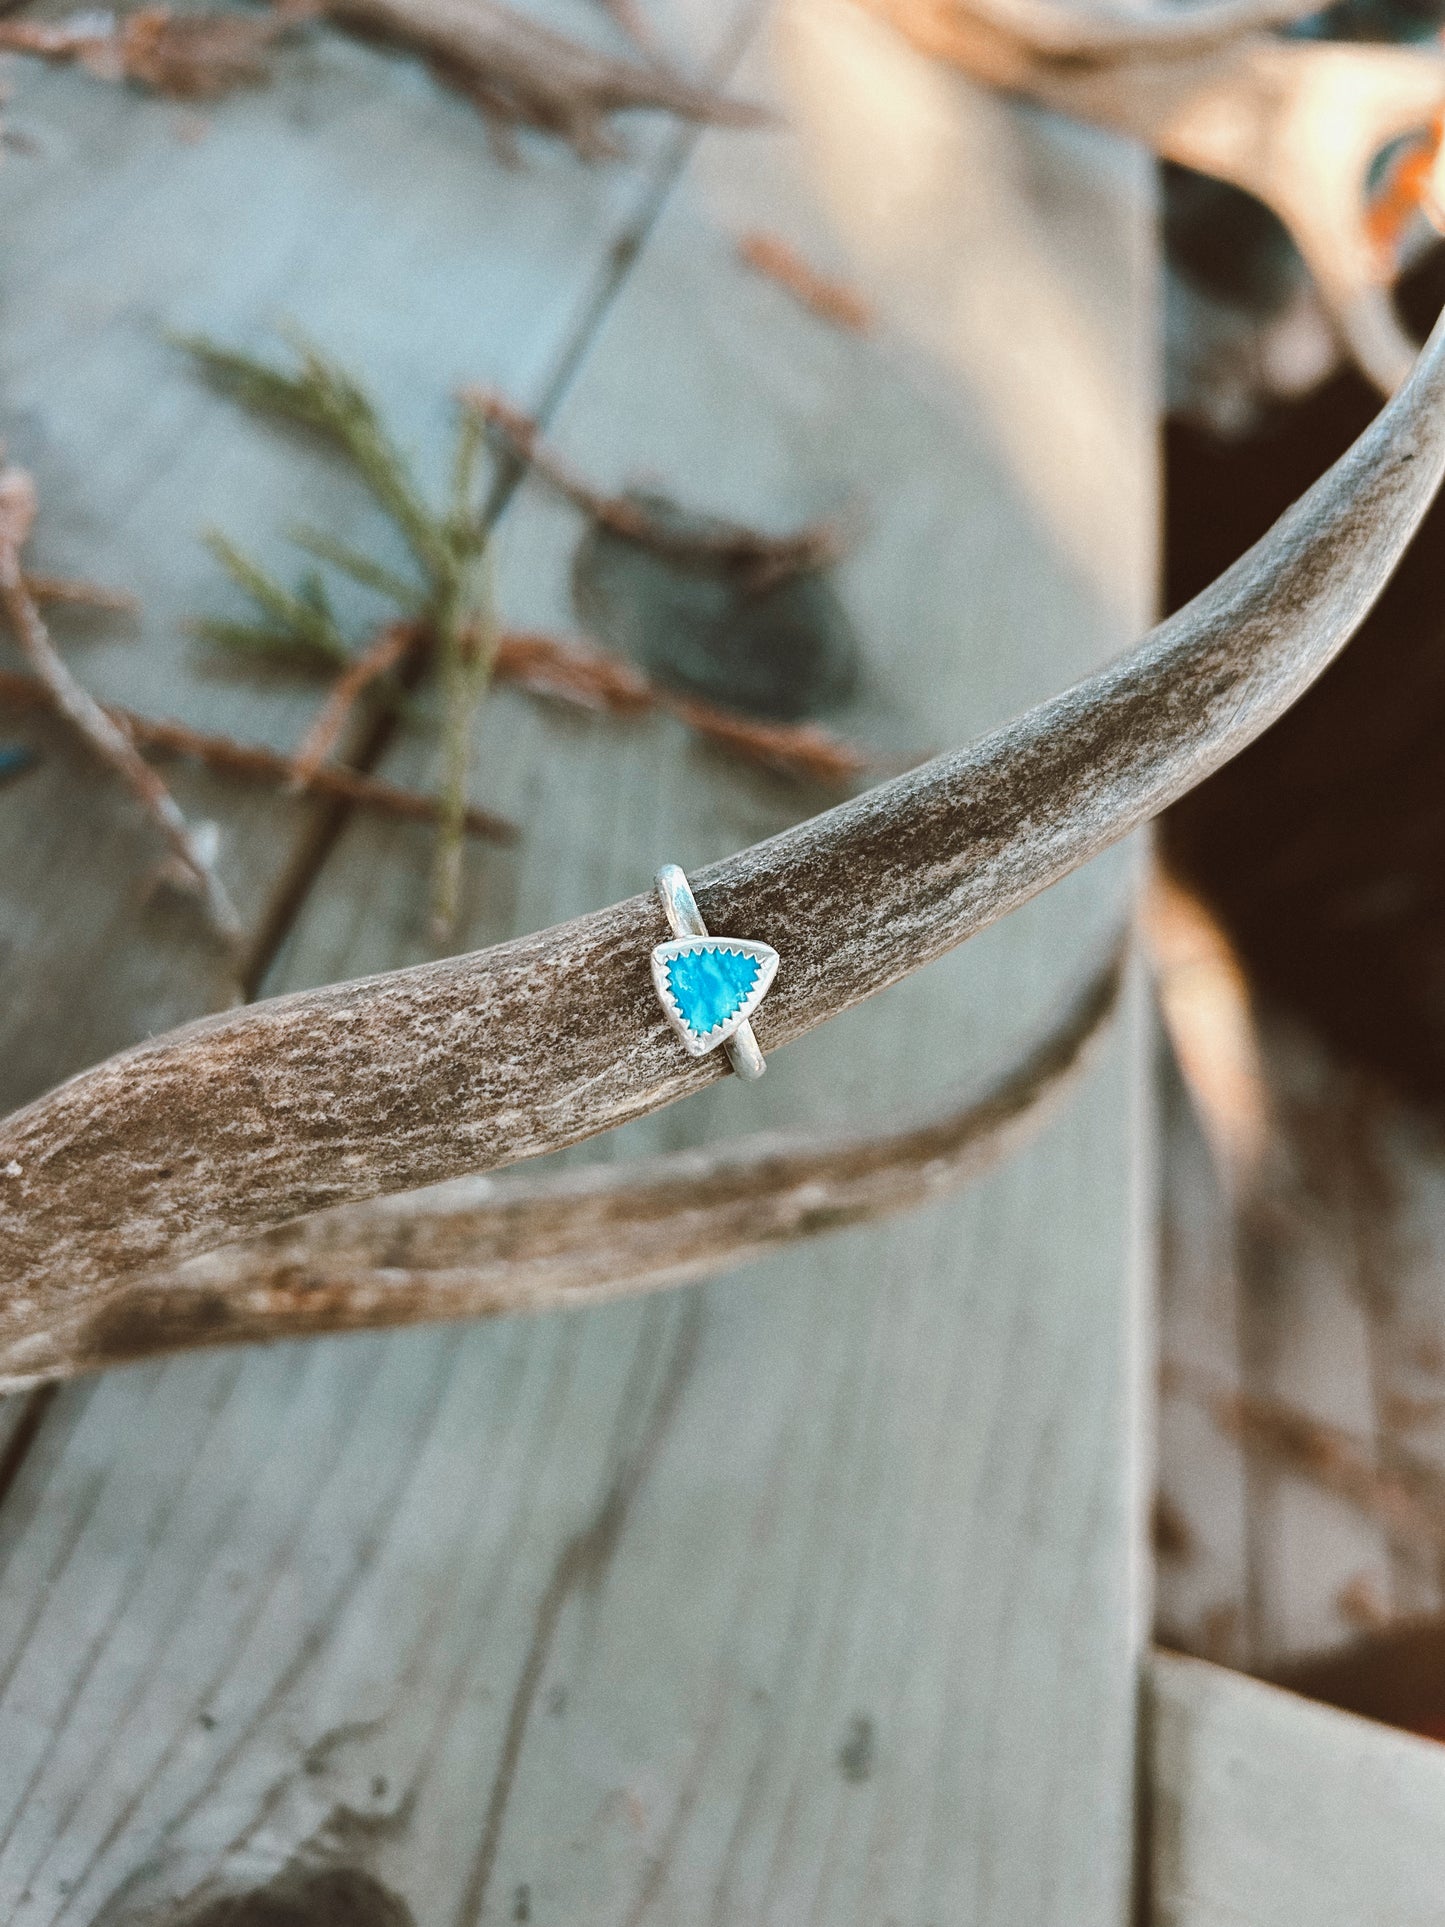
[(761, 559), (254, 763), (520, 73), (1407, 1499), (789, 749), (85, 715), (594, 679), (516, 71), (86, 595), (771, 256), (590, 678), (186, 56), (572, 672), (386, 653)]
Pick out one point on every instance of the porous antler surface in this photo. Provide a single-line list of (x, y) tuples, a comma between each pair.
[(250, 1118), (520, 1242)]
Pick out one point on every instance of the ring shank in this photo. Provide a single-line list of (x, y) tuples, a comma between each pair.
[(686, 920)]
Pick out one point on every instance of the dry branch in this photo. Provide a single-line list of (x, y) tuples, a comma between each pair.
[(248, 1119), (1298, 124), (79, 593), (85, 715), (482, 1247), (772, 257), (760, 559), (254, 763), (518, 73), (585, 677), (386, 654), (596, 679), (522, 74), (1406, 1499), (186, 56)]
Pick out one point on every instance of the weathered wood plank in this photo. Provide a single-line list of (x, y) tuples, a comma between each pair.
[(358, 201), (1394, 1181), (1320, 1564), (816, 1593), (1334, 1317), (1267, 1808), (1202, 1598)]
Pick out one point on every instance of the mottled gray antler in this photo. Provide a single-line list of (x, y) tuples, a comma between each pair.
[(526, 1241), (241, 1122)]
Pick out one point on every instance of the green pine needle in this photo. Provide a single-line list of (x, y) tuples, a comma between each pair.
[(320, 396), (450, 548), (300, 623), (255, 639), (361, 568)]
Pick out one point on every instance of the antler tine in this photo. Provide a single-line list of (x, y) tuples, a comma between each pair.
[(1052, 32), (526, 1242), (253, 1117), (1298, 124)]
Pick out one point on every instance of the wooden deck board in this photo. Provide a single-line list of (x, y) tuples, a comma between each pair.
[(1203, 1599), (1269, 1809), (816, 1593), (1338, 1318)]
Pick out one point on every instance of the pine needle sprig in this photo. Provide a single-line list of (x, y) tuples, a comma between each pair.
[(319, 395), (361, 568), (446, 609), (298, 624), (442, 626)]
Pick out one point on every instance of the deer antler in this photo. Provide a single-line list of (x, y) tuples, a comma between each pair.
[(487, 1245), (245, 1120), (1053, 32), (1296, 123)]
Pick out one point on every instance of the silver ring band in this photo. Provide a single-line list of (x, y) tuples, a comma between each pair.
[(686, 921)]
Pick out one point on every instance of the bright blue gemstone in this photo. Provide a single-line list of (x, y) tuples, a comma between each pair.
[(711, 985)]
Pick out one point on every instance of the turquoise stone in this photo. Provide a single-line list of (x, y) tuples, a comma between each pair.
[(711, 985)]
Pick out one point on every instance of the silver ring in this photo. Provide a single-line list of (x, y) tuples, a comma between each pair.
[(709, 986)]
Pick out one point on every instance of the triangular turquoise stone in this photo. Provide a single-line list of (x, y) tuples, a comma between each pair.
[(709, 986)]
